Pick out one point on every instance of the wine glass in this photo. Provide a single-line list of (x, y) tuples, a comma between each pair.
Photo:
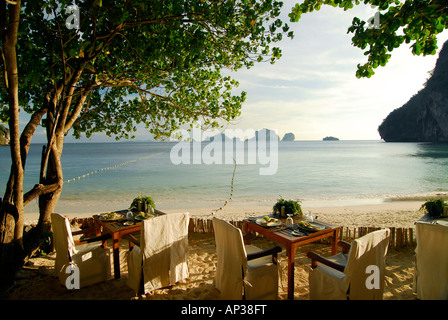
[(309, 217), (289, 220)]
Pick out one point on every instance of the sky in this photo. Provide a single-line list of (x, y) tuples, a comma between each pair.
[(312, 91)]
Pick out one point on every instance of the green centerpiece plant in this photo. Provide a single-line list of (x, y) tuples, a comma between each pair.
[(434, 208), (291, 207), (143, 202)]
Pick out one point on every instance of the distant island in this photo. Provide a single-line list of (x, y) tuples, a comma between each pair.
[(4, 135), (265, 134), (330, 139), (424, 117), (288, 137)]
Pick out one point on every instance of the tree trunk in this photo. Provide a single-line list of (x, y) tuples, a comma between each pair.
[(51, 173), (11, 212)]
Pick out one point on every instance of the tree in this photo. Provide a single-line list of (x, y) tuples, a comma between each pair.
[(107, 66), (11, 238), (416, 22)]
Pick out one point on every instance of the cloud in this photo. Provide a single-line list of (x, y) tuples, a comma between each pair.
[(312, 90)]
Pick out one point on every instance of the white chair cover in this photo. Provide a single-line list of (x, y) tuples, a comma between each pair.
[(92, 259), (431, 265), (257, 278), (163, 253), (329, 284)]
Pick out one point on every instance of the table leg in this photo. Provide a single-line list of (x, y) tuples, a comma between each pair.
[(334, 242), (291, 255), (97, 228), (247, 234), (116, 253)]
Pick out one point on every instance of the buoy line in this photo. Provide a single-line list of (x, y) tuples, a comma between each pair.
[(110, 168)]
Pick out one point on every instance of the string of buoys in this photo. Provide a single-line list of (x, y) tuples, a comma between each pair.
[(110, 168)]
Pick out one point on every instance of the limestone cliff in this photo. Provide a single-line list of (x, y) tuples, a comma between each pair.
[(424, 118)]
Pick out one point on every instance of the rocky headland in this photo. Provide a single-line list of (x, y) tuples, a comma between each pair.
[(424, 117)]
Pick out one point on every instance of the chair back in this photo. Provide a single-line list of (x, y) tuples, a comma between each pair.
[(232, 259), (366, 266), (431, 271), (63, 240), (164, 246)]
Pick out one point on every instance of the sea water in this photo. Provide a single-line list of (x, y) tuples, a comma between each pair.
[(110, 175)]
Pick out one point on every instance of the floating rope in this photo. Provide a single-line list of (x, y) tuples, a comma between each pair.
[(110, 168), (231, 191)]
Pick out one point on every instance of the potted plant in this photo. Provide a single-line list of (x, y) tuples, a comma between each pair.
[(143, 203), (291, 207), (434, 208)]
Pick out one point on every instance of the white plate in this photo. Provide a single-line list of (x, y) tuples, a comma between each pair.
[(273, 223), (111, 216), (443, 222), (315, 227), (297, 233)]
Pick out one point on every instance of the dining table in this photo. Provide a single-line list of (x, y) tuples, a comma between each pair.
[(292, 237), (118, 227)]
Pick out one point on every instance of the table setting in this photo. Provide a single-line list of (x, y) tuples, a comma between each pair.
[(127, 217), (125, 222), (290, 228), (292, 232)]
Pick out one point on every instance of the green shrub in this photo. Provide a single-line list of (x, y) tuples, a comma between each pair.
[(148, 200), (291, 207), (434, 207)]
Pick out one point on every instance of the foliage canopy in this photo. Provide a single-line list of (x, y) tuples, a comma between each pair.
[(156, 62), (415, 22)]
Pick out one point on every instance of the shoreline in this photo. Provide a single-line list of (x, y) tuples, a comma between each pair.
[(394, 213)]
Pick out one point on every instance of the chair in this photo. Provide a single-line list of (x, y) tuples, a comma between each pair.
[(431, 261), (90, 255), (160, 257), (243, 272), (357, 273)]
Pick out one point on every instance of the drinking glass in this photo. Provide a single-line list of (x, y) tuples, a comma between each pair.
[(309, 217), (289, 220)]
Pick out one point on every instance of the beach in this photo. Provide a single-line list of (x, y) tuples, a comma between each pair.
[(38, 281)]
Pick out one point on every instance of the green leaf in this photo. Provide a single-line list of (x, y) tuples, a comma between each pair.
[(419, 23)]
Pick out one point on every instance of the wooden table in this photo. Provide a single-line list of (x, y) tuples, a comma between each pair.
[(291, 242), (117, 230)]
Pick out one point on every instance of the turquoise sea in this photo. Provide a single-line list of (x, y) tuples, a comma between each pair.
[(320, 173)]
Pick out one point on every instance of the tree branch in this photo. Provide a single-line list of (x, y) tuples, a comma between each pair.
[(40, 189), (77, 110)]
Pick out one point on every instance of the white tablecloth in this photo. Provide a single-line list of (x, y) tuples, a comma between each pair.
[(431, 260)]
